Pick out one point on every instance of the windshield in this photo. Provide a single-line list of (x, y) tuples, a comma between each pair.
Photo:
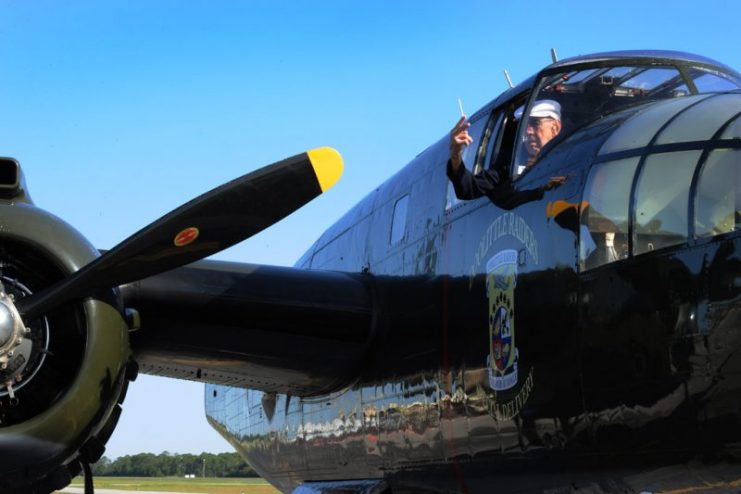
[(566, 101)]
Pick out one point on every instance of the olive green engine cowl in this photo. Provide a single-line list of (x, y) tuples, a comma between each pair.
[(75, 389)]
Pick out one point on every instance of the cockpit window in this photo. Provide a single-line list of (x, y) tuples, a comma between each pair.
[(660, 203), (660, 216), (576, 77), (603, 235), (646, 80), (619, 72), (566, 101), (718, 200), (711, 82)]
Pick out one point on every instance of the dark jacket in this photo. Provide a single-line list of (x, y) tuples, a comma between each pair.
[(494, 184)]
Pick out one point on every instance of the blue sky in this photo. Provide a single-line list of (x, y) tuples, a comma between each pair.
[(120, 111)]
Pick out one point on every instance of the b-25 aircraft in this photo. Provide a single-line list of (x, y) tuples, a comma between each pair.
[(586, 339)]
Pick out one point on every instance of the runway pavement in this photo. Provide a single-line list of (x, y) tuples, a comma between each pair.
[(80, 490)]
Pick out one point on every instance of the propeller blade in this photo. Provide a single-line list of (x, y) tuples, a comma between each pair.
[(207, 224)]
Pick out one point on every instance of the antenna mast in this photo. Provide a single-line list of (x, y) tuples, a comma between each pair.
[(509, 81)]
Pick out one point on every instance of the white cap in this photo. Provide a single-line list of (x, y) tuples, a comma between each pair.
[(543, 108)]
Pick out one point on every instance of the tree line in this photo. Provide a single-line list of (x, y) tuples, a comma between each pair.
[(172, 464)]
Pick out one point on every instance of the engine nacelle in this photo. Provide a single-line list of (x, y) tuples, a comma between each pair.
[(62, 376)]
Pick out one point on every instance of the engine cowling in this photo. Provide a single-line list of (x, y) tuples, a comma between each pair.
[(63, 375)]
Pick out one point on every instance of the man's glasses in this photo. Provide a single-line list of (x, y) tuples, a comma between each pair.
[(537, 122)]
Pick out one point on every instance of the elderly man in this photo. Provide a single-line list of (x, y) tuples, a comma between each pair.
[(543, 125)]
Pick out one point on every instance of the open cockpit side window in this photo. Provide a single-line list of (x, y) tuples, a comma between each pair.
[(494, 141), (502, 145), (472, 154)]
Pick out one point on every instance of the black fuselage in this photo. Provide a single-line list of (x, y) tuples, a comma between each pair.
[(499, 352)]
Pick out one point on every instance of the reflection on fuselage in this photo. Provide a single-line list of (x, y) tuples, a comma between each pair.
[(362, 433)]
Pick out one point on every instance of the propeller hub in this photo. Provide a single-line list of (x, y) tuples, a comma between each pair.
[(7, 324), (22, 349)]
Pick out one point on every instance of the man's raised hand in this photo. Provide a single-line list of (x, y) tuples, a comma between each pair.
[(459, 138)]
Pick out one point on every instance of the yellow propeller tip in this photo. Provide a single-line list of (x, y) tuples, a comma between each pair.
[(328, 166)]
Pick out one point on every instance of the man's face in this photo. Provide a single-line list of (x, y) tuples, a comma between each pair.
[(539, 131)]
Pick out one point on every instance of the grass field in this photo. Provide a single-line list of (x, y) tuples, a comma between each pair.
[(176, 484)]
